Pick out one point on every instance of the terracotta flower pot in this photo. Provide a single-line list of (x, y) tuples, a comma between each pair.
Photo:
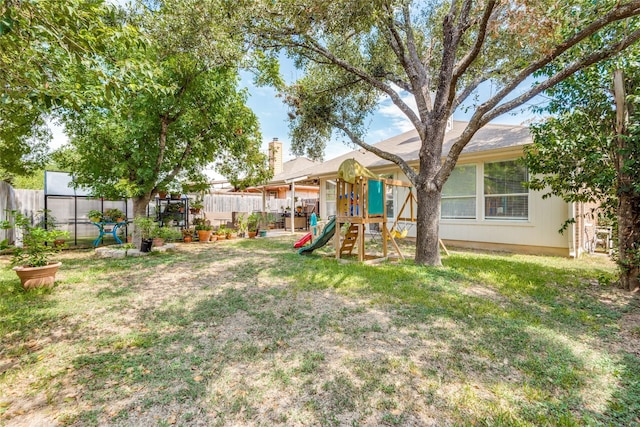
[(213, 237), (38, 277), (157, 241), (187, 239), (204, 235), (252, 234)]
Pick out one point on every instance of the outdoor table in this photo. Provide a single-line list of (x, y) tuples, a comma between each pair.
[(111, 228)]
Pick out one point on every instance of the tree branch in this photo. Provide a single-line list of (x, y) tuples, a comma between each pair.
[(395, 98), (395, 40), (418, 75), (566, 72), (162, 142), (481, 118), (622, 12), (471, 56), (402, 164), (470, 88)]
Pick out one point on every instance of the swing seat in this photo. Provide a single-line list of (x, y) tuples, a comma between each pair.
[(399, 234)]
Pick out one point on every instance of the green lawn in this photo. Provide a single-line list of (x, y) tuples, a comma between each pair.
[(247, 332)]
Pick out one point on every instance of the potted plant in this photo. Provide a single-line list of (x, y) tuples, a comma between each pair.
[(94, 215), (173, 212), (203, 228), (187, 235), (163, 234), (46, 220), (170, 234), (196, 206), (242, 225), (263, 224), (114, 215), (253, 222), (221, 232), (157, 236), (31, 262), (145, 227)]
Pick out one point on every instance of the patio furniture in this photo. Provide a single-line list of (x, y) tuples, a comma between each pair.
[(108, 228)]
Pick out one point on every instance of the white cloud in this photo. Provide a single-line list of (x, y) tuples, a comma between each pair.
[(396, 119)]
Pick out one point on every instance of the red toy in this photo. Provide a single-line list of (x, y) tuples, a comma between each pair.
[(300, 243)]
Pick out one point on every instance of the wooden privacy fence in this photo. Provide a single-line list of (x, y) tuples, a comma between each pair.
[(232, 203), (29, 201)]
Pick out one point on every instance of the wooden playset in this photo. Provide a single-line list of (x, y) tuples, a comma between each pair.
[(361, 201)]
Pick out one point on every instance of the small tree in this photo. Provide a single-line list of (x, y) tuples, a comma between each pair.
[(37, 242), (181, 110), (590, 152)]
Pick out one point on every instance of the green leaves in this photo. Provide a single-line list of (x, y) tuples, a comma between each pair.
[(175, 109), (47, 50)]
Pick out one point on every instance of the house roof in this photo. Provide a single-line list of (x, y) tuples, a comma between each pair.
[(292, 169), (407, 146)]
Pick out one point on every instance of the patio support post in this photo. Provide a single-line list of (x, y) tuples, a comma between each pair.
[(293, 208)]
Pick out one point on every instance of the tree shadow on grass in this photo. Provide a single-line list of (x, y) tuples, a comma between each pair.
[(480, 341), (161, 372), (527, 325), (25, 317)]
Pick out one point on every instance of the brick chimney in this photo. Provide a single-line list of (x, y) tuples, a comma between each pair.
[(275, 156)]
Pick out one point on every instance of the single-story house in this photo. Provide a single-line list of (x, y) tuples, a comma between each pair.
[(485, 204), (283, 184)]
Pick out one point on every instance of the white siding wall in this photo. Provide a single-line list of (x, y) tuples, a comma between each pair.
[(545, 219)]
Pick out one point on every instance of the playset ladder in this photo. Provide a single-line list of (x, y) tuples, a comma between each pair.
[(350, 239)]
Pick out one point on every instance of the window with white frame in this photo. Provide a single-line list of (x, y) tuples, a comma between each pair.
[(505, 193), (330, 198), (459, 194), (390, 196)]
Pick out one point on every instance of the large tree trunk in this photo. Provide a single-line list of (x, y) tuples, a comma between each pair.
[(429, 195), (428, 227), (629, 239), (628, 197)]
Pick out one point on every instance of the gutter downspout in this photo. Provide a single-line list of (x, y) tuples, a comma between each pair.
[(293, 207)]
